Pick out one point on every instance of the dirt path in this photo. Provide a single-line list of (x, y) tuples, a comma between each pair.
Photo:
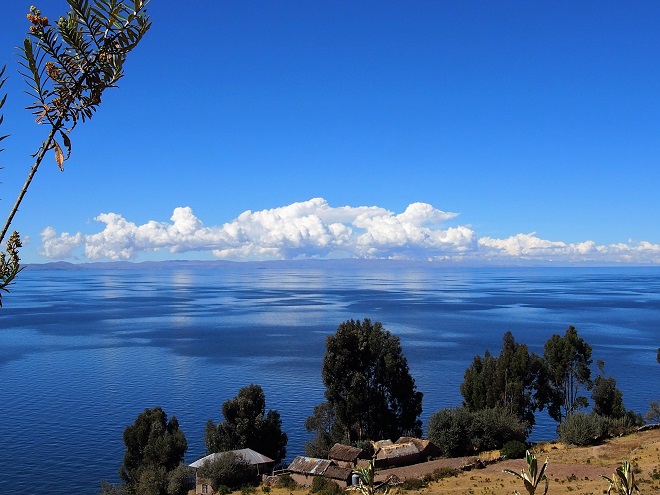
[(571, 470)]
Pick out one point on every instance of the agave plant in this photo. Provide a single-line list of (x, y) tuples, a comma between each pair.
[(533, 476), (623, 480), (366, 485)]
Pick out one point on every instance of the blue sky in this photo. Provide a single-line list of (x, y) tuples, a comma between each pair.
[(478, 132)]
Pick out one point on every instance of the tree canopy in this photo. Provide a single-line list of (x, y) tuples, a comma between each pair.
[(608, 399), (154, 450), (247, 425), (228, 469), (568, 359), (515, 380), (368, 384)]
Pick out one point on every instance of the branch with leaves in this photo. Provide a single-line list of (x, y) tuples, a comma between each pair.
[(68, 65), (9, 259)]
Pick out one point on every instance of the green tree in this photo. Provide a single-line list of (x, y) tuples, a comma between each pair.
[(567, 359), (515, 380), (67, 66), (247, 425), (154, 450), (458, 431), (227, 469), (608, 399), (368, 383), (327, 431)]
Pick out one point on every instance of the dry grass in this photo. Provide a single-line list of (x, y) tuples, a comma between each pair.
[(571, 470)]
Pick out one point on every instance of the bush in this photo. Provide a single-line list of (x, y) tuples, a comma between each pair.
[(493, 427), (439, 473), (444, 472), (582, 429), (514, 449), (228, 469), (458, 432), (449, 430), (413, 484), (325, 486), (248, 490), (287, 482)]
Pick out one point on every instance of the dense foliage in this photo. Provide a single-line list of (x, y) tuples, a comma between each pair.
[(228, 469), (325, 486), (515, 380), (323, 424), (608, 399), (458, 431), (568, 361), (248, 425), (514, 449), (368, 385), (154, 450)]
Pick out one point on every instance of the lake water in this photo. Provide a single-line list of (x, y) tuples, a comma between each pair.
[(84, 351)]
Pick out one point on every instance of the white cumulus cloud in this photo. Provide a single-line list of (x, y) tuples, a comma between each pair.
[(314, 229)]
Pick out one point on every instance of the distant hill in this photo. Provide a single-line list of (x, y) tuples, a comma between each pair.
[(156, 265)]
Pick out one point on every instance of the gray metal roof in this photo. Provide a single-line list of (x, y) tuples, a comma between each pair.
[(249, 455), (309, 465)]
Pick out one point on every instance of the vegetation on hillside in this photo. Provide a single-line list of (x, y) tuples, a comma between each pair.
[(248, 425), (370, 392), (153, 461), (372, 396)]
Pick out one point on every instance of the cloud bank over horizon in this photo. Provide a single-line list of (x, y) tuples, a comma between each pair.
[(315, 230)]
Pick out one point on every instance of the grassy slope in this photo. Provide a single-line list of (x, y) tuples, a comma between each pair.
[(571, 470)]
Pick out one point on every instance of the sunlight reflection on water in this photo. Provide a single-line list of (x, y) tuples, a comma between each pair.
[(83, 352)]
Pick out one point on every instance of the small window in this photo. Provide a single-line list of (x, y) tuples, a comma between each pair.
[(205, 488)]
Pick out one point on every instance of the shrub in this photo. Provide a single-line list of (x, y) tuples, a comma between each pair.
[(449, 430), (514, 449), (228, 469), (325, 486), (493, 427), (439, 473), (414, 484), (248, 490), (582, 429), (287, 482), (624, 425), (459, 432), (444, 472)]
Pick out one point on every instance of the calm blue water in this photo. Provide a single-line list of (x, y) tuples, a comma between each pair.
[(82, 352)]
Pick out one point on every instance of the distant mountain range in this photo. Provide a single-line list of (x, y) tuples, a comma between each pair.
[(346, 263), (157, 265)]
